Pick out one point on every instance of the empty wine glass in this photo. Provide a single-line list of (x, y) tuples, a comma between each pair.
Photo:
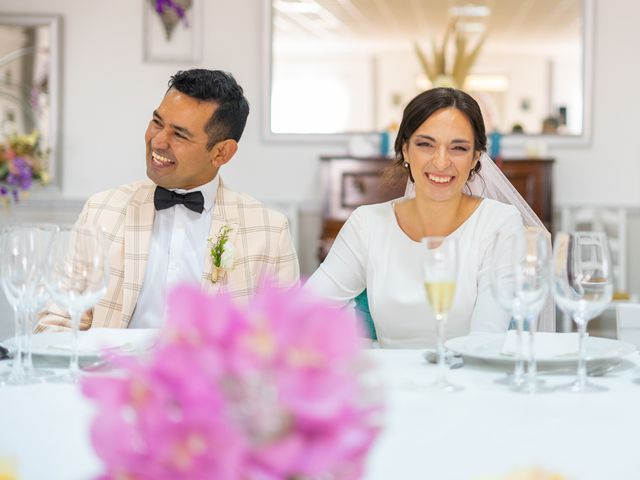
[(520, 283), (503, 287), (25, 248), (583, 287), (440, 269), (78, 273), (531, 263)]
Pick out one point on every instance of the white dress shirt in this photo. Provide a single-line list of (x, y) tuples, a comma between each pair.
[(371, 251), (176, 254)]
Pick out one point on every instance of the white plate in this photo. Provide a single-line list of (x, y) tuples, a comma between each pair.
[(91, 343), (487, 346)]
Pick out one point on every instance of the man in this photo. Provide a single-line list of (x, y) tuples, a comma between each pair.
[(161, 232)]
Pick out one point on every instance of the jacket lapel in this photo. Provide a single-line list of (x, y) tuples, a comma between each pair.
[(137, 232), (225, 212)]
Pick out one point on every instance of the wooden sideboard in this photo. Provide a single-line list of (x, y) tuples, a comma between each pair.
[(533, 178), (349, 182)]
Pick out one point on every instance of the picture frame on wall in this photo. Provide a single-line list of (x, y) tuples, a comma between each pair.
[(173, 31)]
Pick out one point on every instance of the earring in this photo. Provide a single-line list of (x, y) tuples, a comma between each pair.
[(405, 164), (472, 174)]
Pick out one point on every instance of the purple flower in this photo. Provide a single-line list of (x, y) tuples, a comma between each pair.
[(162, 5), (20, 173)]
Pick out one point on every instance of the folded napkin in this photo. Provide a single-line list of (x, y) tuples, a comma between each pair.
[(547, 344), (93, 348), (95, 340)]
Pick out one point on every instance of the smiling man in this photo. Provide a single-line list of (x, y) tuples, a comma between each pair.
[(161, 232)]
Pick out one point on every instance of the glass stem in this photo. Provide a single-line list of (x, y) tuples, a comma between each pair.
[(28, 363), (582, 355), (442, 368), (17, 366), (532, 367), (74, 367), (518, 372)]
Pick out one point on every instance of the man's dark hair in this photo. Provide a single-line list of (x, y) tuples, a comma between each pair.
[(230, 116)]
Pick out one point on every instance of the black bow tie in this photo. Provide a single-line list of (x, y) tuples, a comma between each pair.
[(164, 198)]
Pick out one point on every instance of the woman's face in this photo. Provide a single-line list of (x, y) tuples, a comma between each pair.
[(441, 154)]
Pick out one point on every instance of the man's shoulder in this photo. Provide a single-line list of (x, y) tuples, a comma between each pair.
[(124, 194), (252, 211)]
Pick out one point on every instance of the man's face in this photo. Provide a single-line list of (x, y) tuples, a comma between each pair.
[(177, 155)]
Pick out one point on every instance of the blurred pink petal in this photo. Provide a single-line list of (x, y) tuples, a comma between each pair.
[(269, 391)]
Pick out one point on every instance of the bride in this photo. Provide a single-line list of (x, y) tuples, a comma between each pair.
[(455, 191)]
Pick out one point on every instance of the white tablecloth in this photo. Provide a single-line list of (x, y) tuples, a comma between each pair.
[(485, 430)]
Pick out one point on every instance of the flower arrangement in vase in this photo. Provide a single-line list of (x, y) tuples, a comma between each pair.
[(275, 389), (21, 163)]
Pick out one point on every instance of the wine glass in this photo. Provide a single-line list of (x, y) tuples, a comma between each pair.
[(440, 269), (531, 267), (503, 287), (583, 287), (36, 240), (25, 248), (78, 273), (519, 277)]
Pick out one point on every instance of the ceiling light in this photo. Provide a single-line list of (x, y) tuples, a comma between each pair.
[(470, 11), (297, 7)]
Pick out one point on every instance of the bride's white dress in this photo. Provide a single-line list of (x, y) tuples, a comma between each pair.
[(372, 252)]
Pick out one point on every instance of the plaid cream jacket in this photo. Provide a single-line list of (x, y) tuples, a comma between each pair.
[(261, 237)]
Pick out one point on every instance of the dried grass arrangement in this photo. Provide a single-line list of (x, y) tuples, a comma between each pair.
[(450, 74)]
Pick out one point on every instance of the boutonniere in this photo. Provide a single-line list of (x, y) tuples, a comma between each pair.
[(222, 254)]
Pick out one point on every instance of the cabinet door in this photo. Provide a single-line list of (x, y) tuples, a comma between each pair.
[(532, 178)]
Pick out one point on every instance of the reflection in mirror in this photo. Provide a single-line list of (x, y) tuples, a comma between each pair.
[(29, 81), (351, 66)]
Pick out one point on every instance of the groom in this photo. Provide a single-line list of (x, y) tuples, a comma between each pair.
[(161, 232)]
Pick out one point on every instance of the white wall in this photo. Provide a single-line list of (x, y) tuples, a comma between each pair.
[(109, 94)]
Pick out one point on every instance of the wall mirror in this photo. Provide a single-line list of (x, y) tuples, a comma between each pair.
[(30, 82), (350, 66)]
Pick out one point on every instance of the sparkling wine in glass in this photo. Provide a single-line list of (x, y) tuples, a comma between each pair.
[(440, 269), (583, 287), (78, 274)]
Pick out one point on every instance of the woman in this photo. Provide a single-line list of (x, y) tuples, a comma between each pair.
[(439, 143)]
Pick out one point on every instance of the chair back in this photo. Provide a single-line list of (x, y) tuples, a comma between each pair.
[(612, 221), (628, 322)]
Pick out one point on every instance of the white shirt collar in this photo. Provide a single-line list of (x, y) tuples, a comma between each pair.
[(209, 191)]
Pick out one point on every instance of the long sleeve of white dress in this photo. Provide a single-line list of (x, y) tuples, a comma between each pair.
[(372, 252)]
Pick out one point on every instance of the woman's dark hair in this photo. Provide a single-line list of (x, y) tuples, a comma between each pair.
[(230, 116), (429, 102)]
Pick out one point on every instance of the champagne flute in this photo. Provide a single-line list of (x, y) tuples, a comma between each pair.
[(503, 287), (519, 274), (36, 239), (78, 274), (531, 263), (583, 287), (14, 284), (25, 248), (440, 274)]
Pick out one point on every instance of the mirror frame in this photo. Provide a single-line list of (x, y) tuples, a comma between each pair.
[(509, 141), (54, 23)]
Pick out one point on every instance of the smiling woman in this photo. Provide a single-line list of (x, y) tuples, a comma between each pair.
[(380, 249), (533, 62)]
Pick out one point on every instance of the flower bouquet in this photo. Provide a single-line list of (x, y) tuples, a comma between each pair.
[(272, 390), (21, 162)]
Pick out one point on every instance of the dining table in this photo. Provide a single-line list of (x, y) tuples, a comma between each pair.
[(484, 431)]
